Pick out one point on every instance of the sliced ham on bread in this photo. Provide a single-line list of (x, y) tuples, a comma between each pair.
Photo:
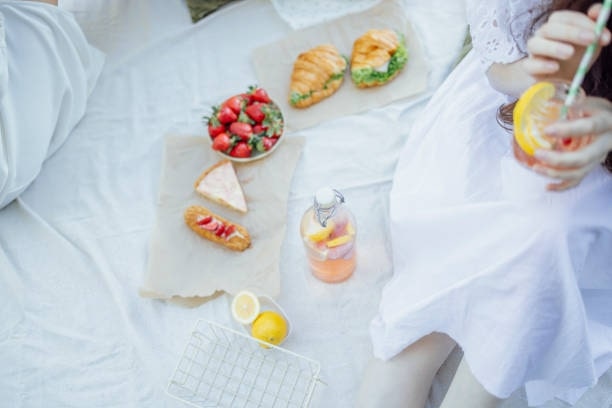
[(219, 183)]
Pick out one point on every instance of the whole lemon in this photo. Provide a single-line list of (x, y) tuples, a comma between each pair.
[(270, 327)]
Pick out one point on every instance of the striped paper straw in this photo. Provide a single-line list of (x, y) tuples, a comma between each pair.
[(602, 20)]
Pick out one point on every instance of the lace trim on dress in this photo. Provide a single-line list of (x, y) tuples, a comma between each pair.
[(500, 28)]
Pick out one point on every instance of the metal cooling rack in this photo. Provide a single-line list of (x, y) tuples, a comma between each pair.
[(223, 368)]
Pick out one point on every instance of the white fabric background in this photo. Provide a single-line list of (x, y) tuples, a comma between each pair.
[(39, 106), (74, 246)]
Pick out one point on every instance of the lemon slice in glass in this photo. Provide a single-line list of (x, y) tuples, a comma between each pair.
[(245, 307), (526, 132)]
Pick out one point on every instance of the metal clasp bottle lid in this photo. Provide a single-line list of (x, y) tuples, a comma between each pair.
[(326, 201)]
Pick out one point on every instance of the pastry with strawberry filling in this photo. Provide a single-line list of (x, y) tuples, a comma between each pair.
[(217, 229), (378, 56), (317, 74), (219, 183)]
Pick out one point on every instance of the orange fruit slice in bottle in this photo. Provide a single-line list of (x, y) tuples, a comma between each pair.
[(529, 109)]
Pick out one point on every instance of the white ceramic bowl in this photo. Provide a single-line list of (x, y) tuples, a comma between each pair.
[(256, 155)]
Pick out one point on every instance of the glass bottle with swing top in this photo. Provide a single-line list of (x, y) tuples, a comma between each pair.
[(328, 231)]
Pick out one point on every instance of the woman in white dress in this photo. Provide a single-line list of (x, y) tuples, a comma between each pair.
[(485, 255), (47, 72)]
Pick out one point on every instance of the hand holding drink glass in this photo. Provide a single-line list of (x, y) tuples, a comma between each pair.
[(539, 107), (556, 103)]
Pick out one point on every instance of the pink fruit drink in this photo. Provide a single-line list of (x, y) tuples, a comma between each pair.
[(539, 113), (328, 233)]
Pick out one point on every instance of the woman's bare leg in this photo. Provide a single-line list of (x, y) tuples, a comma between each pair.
[(405, 380), (466, 391)]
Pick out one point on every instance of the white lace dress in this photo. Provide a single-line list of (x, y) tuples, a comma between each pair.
[(521, 278)]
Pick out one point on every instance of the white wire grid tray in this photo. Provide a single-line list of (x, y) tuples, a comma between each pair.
[(223, 368)]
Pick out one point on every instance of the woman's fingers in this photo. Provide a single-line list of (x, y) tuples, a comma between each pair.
[(557, 46), (549, 48), (567, 177), (597, 121), (579, 30), (593, 153), (540, 66)]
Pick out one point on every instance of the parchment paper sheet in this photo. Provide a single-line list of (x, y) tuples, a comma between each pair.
[(183, 265), (273, 65)]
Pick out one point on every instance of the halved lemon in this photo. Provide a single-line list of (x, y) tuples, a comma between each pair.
[(245, 307), (526, 131), (319, 233)]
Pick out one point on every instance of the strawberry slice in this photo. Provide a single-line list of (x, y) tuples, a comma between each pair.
[(211, 226), (204, 220), (220, 230), (229, 230)]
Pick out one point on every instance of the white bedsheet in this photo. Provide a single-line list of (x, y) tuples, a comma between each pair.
[(73, 252)]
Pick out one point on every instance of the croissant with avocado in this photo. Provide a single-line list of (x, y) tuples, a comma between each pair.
[(378, 56), (317, 74)]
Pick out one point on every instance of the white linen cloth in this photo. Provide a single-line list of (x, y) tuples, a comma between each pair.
[(300, 14), (47, 72), (518, 276), (73, 246)]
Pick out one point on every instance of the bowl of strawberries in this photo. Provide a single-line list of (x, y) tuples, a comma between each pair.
[(245, 127)]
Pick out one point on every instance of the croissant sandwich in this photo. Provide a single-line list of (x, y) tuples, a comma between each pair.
[(317, 74), (377, 57), (217, 229)]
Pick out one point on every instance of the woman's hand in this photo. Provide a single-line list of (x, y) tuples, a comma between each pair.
[(557, 46), (571, 167)]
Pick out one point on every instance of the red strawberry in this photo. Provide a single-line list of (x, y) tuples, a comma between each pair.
[(273, 121), (258, 95), (268, 142), (255, 113), (243, 130), (235, 103), (257, 129), (226, 115), (222, 142), (204, 220), (214, 126), (241, 149)]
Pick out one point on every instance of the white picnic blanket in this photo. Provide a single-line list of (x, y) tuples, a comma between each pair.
[(74, 246)]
